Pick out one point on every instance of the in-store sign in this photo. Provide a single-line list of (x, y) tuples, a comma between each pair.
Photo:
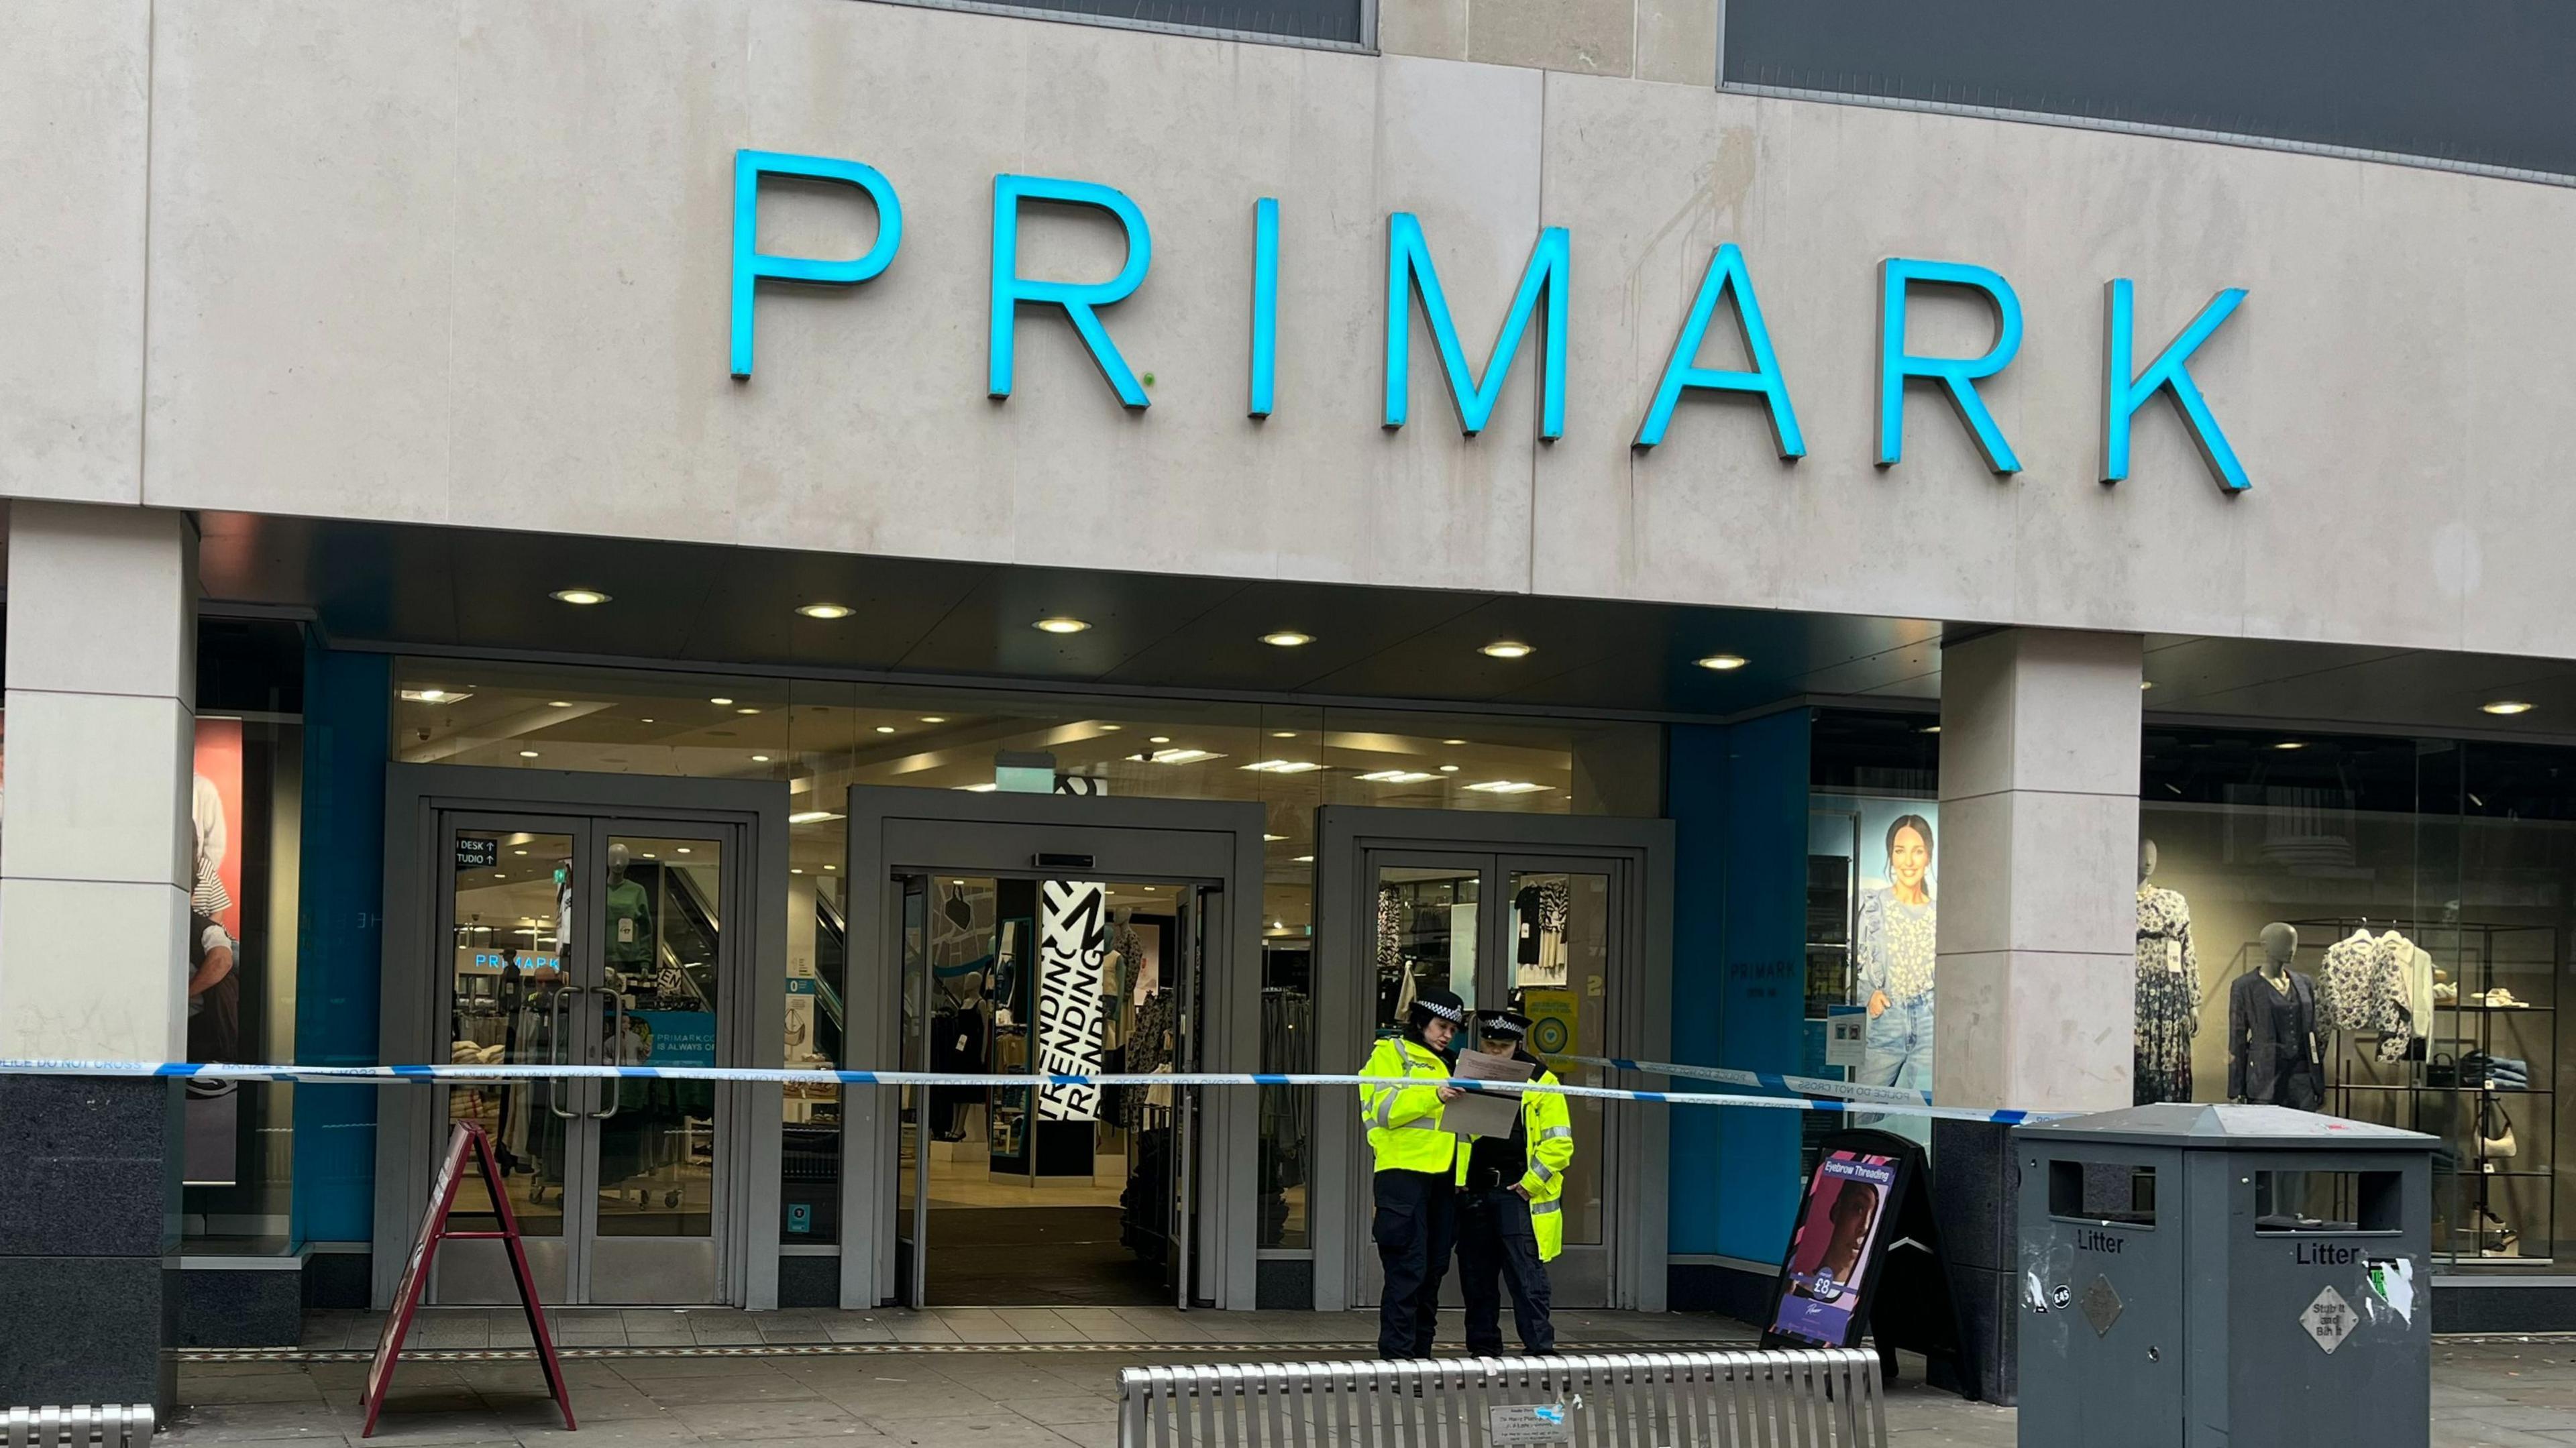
[(477, 854), (1413, 281)]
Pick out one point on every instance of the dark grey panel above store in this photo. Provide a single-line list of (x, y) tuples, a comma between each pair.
[(1338, 21), (2481, 82)]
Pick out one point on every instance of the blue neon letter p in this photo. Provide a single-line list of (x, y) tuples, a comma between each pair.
[(750, 263)]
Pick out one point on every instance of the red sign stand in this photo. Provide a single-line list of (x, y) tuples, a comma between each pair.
[(415, 1278)]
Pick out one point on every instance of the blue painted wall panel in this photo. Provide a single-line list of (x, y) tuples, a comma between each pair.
[(340, 939)]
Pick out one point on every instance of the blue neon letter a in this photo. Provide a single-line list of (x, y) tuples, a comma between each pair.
[(1409, 273)]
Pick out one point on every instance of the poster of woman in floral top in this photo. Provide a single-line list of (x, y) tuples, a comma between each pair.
[(1892, 955)]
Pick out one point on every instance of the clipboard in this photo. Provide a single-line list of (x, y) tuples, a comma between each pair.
[(1479, 1113)]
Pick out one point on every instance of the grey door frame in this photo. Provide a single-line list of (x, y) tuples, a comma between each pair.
[(1639, 1026), (408, 1128), (1215, 842)]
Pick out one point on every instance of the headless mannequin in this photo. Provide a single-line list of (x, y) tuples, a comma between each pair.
[(2274, 978), (2146, 875)]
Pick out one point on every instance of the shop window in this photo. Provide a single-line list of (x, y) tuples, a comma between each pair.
[(245, 808), (822, 737), (2374, 928)]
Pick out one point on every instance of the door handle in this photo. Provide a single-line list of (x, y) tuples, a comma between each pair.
[(614, 1048), (557, 1017)]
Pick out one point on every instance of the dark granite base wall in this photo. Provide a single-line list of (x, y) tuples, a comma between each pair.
[(2514, 1309), (1976, 1187), (809, 1281), (1716, 1287), (1284, 1284), (89, 1198), (338, 1279), (240, 1307)]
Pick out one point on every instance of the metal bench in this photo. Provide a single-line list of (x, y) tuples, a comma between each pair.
[(81, 1427), (1785, 1399)]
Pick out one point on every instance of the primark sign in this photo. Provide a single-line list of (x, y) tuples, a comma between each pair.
[(1413, 282)]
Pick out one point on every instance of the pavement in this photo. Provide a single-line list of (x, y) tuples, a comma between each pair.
[(983, 1379)]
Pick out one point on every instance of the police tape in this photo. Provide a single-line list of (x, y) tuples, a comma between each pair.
[(1795, 1085), (497, 1074)]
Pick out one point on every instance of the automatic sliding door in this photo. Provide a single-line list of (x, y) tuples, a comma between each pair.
[(511, 930), (1561, 930), (664, 899)]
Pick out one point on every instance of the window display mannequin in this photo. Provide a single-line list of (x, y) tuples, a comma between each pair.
[(2272, 1030), (630, 917), (2168, 993), (1892, 948)]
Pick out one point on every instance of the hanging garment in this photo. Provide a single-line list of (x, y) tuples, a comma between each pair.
[(2396, 981), (2362, 986), (2168, 997), (1390, 930)]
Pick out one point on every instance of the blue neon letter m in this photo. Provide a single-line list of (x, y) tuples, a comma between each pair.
[(1409, 273)]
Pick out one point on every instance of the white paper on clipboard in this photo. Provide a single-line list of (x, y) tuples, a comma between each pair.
[(1480, 1114)]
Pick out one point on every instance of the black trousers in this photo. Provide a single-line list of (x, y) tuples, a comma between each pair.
[(1415, 1228), (1497, 1249)]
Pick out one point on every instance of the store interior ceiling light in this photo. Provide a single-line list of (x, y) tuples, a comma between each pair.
[(559, 703), (1305, 859), (825, 610), (1061, 625), (746, 709), (1160, 739), (1283, 766), (2145, 684), (433, 696), (579, 597), (2507, 706), (1287, 638), (987, 787), (1453, 741), (1507, 649), (1931, 729), (1178, 756), (1448, 769), (885, 729), (811, 817), (934, 718), (760, 759), (1283, 733), (1723, 663), (1272, 839), (2290, 744), (720, 701), (1398, 776), (1505, 786)]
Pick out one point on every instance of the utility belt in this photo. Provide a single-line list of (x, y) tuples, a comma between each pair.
[(1487, 1179)]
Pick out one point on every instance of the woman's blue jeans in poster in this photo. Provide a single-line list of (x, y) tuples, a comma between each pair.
[(1899, 1053)]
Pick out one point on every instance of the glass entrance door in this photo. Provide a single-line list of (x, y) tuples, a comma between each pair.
[(1046, 1195), (593, 941), (1527, 933)]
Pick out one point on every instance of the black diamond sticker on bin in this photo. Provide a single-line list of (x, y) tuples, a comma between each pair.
[(2101, 1306)]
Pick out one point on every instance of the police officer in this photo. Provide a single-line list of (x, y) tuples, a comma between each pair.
[(1510, 1204), (1415, 1225)]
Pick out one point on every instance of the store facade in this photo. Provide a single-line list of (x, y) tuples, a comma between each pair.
[(878, 535)]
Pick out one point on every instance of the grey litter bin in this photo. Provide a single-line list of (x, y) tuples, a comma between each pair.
[(2224, 1274)]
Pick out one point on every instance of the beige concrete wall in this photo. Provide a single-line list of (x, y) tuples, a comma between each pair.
[(75, 88), (465, 261), (1660, 40)]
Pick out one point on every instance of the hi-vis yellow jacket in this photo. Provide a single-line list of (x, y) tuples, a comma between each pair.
[(1404, 1131), (1547, 1132)]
